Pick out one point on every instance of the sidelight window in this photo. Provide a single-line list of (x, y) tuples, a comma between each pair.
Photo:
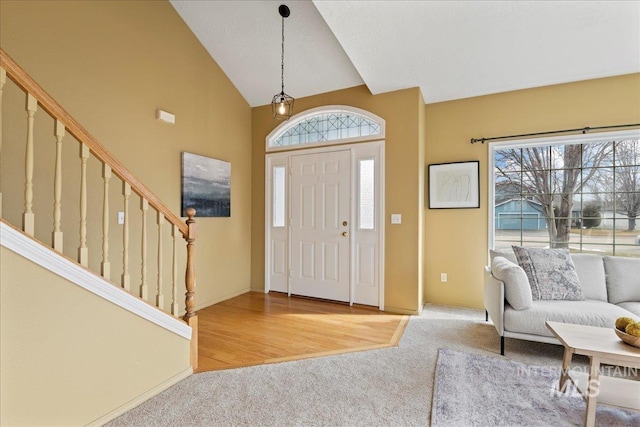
[(366, 194), (279, 194)]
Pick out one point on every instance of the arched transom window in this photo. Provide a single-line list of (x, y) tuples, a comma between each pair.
[(324, 125)]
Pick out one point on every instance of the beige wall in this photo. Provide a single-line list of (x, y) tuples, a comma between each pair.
[(69, 357), (404, 186), (457, 239), (111, 64)]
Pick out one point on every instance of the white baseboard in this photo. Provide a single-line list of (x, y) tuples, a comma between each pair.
[(45, 257), (142, 398)]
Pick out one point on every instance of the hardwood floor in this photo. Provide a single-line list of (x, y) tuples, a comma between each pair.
[(257, 328)]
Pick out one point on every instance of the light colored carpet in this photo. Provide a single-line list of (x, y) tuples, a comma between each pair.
[(391, 387), (475, 390)]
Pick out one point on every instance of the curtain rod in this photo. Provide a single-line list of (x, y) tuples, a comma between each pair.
[(583, 130)]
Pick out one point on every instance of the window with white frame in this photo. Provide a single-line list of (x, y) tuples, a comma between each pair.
[(323, 125), (366, 194), (581, 193), (279, 194)]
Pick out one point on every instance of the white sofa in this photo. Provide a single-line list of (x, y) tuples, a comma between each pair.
[(611, 287)]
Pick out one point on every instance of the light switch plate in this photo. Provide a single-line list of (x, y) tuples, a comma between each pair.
[(396, 219)]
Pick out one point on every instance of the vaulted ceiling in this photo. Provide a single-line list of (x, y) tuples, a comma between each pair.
[(450, 49)]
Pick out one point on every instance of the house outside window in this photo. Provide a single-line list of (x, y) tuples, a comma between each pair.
[(578, 192)]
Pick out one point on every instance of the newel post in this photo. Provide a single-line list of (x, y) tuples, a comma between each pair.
[(190, 282)]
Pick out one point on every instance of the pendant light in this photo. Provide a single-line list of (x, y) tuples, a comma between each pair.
[(282, 104)]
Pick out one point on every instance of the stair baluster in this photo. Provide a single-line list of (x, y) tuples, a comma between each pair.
[(159, 295), (28, 217), (83, 251), (105, 269), (57, 190), (174, 272), (126, 280), (144, 205)]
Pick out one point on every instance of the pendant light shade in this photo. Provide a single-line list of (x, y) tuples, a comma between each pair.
[(282, 104)]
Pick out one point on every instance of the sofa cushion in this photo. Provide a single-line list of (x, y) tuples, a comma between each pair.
[(623, 278), (517, 291), (590, 269), (633, 307), (506, 254), (551, 273), (587, 312)]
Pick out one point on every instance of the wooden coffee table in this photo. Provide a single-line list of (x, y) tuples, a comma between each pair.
[(601, 345)]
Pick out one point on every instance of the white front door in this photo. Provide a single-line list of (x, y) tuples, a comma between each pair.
[(320, 223)]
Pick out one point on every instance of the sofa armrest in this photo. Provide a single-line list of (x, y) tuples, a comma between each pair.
[(494, 300)]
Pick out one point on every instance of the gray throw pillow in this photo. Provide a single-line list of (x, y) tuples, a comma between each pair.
[(516, 285), (551, 273)]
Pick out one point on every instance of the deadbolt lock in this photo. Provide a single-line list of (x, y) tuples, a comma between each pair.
[(345, 223)]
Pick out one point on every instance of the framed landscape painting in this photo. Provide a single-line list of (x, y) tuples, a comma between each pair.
[(206, 186), (454, 185)]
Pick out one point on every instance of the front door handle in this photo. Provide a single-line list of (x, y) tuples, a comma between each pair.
[(345, 234)]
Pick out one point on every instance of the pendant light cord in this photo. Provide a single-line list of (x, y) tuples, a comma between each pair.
[(282, 63), (282, 104)]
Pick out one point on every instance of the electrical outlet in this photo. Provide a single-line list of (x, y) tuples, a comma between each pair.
[(443, 277), (120, 217)]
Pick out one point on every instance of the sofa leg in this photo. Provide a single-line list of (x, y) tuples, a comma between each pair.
[(501, 346), (486, 316)]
